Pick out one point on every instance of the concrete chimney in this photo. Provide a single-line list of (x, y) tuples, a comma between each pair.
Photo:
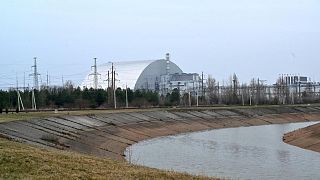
[(168, 63)]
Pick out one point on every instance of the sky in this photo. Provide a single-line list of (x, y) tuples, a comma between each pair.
[(252, 38)]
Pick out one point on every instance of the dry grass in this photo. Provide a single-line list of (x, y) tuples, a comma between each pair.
[(33, 115), (20, 161)]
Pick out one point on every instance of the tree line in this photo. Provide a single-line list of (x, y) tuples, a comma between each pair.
[(257, 92), (76, 98), (232, 93)]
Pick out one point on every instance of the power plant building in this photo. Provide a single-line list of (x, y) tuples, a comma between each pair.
[(184, 82), (144, 75), (154, 75)]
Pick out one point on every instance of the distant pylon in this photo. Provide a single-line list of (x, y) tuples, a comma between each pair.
[(95, 74), (35, 75)]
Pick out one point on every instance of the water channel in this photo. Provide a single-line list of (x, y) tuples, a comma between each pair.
[(256, 152)]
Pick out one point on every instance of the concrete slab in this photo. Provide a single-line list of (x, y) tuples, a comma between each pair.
[(213, 114), (225, 112), (142, 116), (200, 114)]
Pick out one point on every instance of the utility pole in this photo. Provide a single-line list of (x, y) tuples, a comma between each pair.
[(20, 103), (189, 99), (47, 80), (108, 80), (202, 85), (284, 89), (197, 97), (258, 92), (62, 81), (250, 97), (95, 74), (33, 102), (18, 91), (219, 98), (242, 98), (112, 77), (108, 88), (114, 90), (127, 104), (300, 99), (112, 83), (24, 81)]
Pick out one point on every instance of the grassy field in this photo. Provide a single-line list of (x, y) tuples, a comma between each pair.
[(20, 161)]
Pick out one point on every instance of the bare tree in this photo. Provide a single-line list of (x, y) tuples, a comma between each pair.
[(212, 90)]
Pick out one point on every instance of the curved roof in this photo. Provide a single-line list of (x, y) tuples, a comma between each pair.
[(132, 73), (153, 72)]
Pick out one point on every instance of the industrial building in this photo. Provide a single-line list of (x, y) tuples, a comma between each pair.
[(184, 82), (294, 79), (156, 75), (296, 84)]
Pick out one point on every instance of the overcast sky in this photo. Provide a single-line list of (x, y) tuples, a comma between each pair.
[(252, 38)]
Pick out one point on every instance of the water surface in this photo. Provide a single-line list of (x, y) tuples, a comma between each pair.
[(256, 152)]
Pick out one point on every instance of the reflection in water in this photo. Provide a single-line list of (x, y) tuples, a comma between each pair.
[(283, 156), (236, 153)]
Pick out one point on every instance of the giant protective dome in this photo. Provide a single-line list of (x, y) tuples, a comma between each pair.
[(134, 74)]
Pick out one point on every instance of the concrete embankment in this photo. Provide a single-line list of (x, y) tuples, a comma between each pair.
[(108, 135), (306, 138)]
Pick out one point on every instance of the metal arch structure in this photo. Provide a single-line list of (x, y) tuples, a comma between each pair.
[(135, 74)]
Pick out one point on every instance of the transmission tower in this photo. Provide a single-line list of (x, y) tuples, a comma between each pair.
[(95, 74), (35, 75)]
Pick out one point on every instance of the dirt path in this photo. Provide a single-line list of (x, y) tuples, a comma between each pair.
[(108, 135), (306, 138)]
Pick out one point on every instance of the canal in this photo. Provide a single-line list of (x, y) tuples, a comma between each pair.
[(256, 152)]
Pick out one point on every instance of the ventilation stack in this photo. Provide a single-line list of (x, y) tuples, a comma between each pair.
[(168, 63)]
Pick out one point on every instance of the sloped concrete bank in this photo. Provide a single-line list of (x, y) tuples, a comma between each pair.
[(306, 138), (108, 135)]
